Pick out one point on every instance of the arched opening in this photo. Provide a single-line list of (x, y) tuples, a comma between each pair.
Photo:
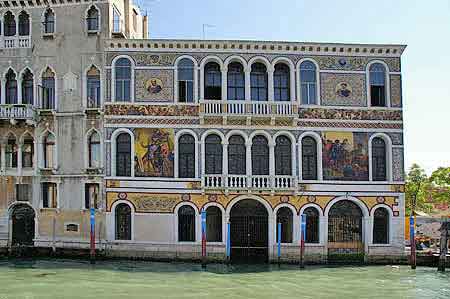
[(283, 156), (309, 158), (11, 88), (11, 152), (185, 70), (312, 225), (186, 224), (345, 230), (94, 150), (49, 22), (123, 155), (123, 222), (281, 82), (27, 88), (213, 81), (48, 90), (213, 154), (258, 82), (186, 156), (213, 224), (92, 19), (28, 152), (308, 83), (377, 74), (236, 82), (285, 218), (49, 151), (24, 24), (22, 217), (249, 232), (260, 155), (381, 226), (379, 164), (122, 70), (9, 24), (93, 87)]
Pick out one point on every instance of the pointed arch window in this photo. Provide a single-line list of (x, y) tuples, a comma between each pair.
[(11, 88), (9, 27), (213, 154), (185, 81), (123, 80), (260, 156), (92, 19), (93, 87), (283, 156), (186, 156), (49, 151), (24, 24), (377, 74), (312, 225), (308, 83), (94, 150), (49, 22), (258, 82), (213, 81), (27, 88), (48, 90), (237, 155), (28, 152), (186, 224), (11, 152), (123, 222), (309, 158), (213, 224), (236, 82), (123, 155), (285, 217), (381, 226), (379, 164), (281, 82)]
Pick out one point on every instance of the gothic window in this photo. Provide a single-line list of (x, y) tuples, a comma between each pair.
[(186, 81), (377, 74), (213, 224), (28, 152), (237, 155), (93, 88), (48, 89), (27, 88), (123, 80), (11, 87), (281, 82), (260, 156), (312, 225), (49, 21), (309, 158), (11, 152), (186, 224), (213, 81), (49, 196), (284, 216), (213, 155), (378, 159), (49, 151), (381, 226), (92, 19), (236, 82), (9, 26), (258, 82), (24, 24), (91, 195), (123, 222), (283, 156), (123, 155), (308, 83), (94, 150), (186, 156)]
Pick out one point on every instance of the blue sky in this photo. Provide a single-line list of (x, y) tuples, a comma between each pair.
[(423, 25)]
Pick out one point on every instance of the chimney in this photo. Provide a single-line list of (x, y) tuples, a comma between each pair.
[(145, 27)]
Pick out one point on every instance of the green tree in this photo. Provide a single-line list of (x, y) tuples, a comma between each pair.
[(417, 190), (440, 183)]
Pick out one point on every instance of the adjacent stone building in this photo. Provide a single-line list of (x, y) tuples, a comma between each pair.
[(152, 132)]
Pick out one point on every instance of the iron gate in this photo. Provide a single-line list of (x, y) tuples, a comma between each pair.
[(22, 225)]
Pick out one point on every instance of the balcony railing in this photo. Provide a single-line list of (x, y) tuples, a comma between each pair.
[(244, 108), (12, 42), (19, 112), (253, 182)]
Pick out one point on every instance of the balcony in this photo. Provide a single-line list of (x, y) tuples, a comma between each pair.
[(243, 108), (252, 182), (14, 113), (13, 42)]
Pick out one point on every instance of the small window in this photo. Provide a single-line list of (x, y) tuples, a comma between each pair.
[(23, 192), (123, 80), (312, 225), (123, 155), (91, 195), (258, 82), (309, 158), (236, 82), (284, 216), (49, 22), (117, 21), (93, 88), (377, 75), (123, 222), (49, 151), (213, 154), (308, 83), (281, 82), (48, 90), (24, 24), (28, 152), (283, 156), (49, 195), (11, 152), (379, 159), (27, 88), (11, 88), (186, 224), (381, 226), (213, 224), (213, 81), (186, 156), (94, 150), (92, 19), (237, 155), (186, 81), (9, 26), (260, 156), (72, 227)]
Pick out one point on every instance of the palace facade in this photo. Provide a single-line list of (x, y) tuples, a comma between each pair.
[(94, 114)]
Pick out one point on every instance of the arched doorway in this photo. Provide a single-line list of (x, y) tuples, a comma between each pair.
[(345, 232), (249, 232), (22, 217)]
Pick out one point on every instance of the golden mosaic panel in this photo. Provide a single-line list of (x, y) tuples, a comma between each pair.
[(331, 89)]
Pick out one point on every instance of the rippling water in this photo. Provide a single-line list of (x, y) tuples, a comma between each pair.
[(74, 279)]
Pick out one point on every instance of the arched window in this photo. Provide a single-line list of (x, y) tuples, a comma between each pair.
[(27, 88), (185, 81), (27, 152), (283, 156), (122, 69), (24, 24), (377, 74), (49, 151), (260, 156), (123, 155), (92, 19), (186, 156), (123, 222), (93, 87), (309, 158), (11, 88), (312, 225), (186, 224), (378, 159), (237, 155), (11, 152), (9, 26), (94, 150), (213, 155), (381, 226), (281, 82), (213, 81), (258, 82), (284, 216), (213, 224), (236, 82), (308, 83), (48, 89), (49, 22)]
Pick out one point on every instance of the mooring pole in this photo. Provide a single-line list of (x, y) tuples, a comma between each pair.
[(279, 242), (302, 240), (228, 246), (92, 252), (444, 246), (203, 238), (412, 239)]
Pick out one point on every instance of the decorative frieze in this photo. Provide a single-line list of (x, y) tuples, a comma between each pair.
[(350, 114), (151, 110)]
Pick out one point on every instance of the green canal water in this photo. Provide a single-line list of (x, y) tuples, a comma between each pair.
[(45, 279)]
